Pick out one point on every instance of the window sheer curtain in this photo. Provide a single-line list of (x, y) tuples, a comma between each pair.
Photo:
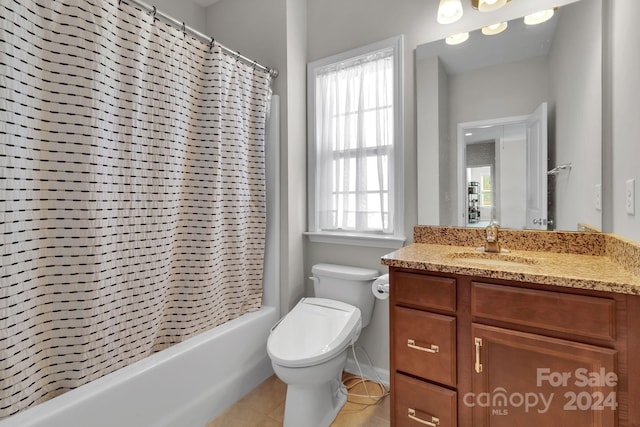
[(132, 191), (354, 135)]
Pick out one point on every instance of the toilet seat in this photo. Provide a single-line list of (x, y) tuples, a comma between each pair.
[(315, 330)]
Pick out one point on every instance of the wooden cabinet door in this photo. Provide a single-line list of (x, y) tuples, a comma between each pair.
[(521, 379), (424, 345)]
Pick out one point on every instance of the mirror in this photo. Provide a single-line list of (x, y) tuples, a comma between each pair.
[(490, 79)]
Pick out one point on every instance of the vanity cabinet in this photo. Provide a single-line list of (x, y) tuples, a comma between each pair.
[(469, 351)]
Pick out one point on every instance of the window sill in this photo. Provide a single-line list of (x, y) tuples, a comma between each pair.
[(356, 239)]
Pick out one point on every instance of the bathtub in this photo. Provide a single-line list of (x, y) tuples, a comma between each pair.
[(190, 383), (185, 385)]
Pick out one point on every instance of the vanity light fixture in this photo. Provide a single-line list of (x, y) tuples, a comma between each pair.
[(457, 38), (488, 5), (492, 30), (449, 11), (539, 17)]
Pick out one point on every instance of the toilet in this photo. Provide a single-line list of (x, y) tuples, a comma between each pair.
[(308, 347)]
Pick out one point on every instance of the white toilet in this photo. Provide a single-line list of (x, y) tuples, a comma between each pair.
[(308, 347)]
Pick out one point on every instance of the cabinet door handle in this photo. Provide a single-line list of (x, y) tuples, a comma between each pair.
[(412, 344), (478, 365), (433, 423)]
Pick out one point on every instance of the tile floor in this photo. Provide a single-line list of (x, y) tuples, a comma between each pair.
[(264, 407)]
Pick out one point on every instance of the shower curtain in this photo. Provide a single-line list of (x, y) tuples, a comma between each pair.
[(132, 191)]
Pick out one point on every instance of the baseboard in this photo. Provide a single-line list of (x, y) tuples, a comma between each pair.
[(368, 371)]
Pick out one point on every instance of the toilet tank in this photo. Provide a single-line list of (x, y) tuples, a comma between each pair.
[(347, 284)]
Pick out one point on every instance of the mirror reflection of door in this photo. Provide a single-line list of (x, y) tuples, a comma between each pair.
[(537, 175), (505, 161)]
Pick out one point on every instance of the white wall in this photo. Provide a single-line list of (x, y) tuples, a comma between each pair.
[(255, 28), (296, 220), (626, 114), (446, 197), (506, 90), (188, 12), (432, 124), (576, 71)]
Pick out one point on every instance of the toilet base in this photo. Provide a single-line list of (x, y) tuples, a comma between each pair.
[(315, 394), (315, 405)]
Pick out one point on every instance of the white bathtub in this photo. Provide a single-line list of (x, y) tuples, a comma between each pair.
[(185, 385), (189, 383)]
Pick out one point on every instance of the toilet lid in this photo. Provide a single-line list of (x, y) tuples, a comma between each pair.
[(315, 330)]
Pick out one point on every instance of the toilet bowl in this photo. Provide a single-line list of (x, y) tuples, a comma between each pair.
[(308, 347), (308, 351)]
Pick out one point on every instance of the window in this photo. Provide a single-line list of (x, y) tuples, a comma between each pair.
[(355, 140), (486, 192)]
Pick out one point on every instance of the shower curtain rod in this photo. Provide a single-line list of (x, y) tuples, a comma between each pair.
[(153, 11)]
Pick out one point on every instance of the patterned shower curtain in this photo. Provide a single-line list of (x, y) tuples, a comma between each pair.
[(132, 191)]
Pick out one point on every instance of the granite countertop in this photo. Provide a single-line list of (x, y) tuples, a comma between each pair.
[(593, 261)]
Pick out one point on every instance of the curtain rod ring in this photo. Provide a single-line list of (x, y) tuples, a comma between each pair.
[(153, 14), (211, 43), (184, 28)]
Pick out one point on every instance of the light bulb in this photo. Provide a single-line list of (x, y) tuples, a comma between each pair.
[(539, 17), (492, 30), (449, 11), (457, 38), (490, 5)]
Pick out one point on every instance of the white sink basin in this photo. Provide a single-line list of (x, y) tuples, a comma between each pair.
[(485, 258)]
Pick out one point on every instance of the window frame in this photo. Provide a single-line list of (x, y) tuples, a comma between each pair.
[(486, 188), (376, 239)]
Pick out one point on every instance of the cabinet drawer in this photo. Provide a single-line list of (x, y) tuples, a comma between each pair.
[(418, 401), (426, 291), (586, 316), (425, 345)]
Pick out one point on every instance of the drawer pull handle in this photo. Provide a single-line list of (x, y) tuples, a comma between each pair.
[(433, 349), (478, 365), (433, 423)]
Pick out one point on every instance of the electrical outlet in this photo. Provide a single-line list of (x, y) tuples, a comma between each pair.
[(598, 199), (630, 197)]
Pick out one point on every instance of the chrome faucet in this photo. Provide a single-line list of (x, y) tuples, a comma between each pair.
[(492, 244)]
